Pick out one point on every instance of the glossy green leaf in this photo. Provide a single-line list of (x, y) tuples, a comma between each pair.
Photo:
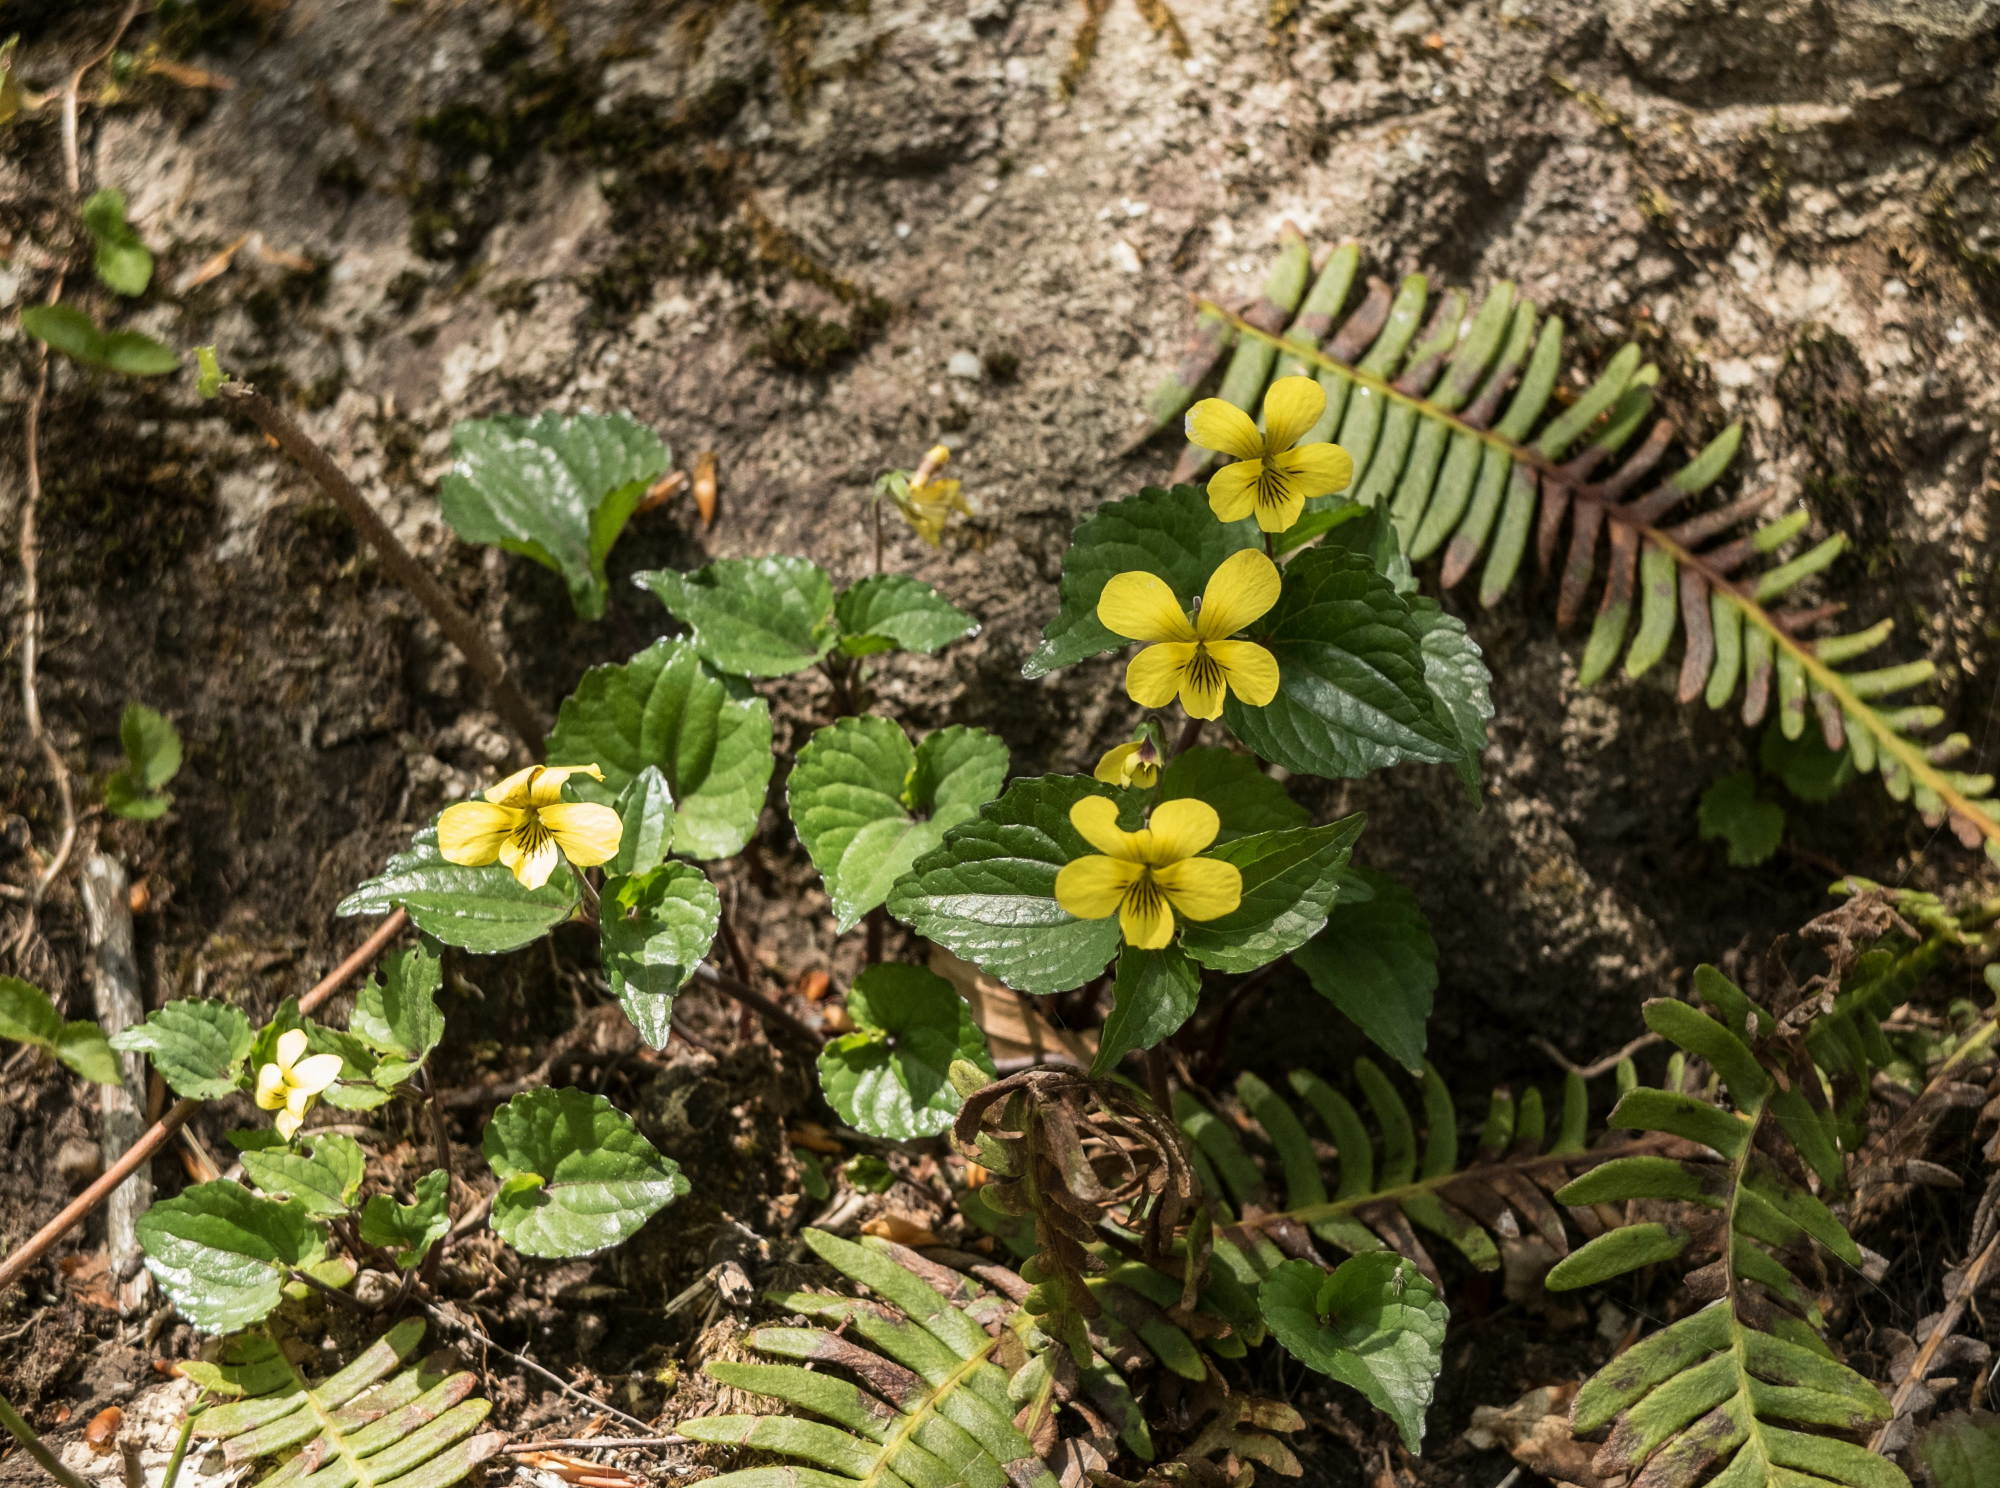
[(751, 617), (398, 1016), (1154, 994), (890, 1076), (198, 1045), (867, 805), (664, 708), (1247, 799), (1455, 671), (1171, 533), (894, 612), (645, 809), (575, 1174), (484, 910), (1376, 1323), (223, 1255), (410, 1229), (1377, 963), (988, 893), (1290, 880), (322, 1175), (657, 928), (557, 489)]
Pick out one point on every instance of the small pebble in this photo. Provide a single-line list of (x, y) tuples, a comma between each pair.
[(965, 364)]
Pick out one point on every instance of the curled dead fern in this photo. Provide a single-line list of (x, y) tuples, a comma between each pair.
[(1455, 427)]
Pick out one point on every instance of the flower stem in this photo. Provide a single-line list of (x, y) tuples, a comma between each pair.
[(23, 1433), (1189, 736)]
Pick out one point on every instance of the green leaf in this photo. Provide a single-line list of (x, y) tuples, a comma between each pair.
[(398, 1017), (1171, 533), (1455, 671), (1290, 879), (658, 926), (1377, 963), (890, 1077), (1353, 692), (1614, 1253), (664, 708), (867, 805), (1154, 994), (323, 1184), (125, 797), (197, 1044), (1732, 811), (988, 893), (484, 910), (122, 262), (152, 745), (1810, 770), (576, 1176), (894, 612), (1962, 1451), (555, 489), (1247, 800), (29, 1016), (223, 1255), (209, 376), (68, 330), (1376, 1323), (410, 1229), (1369, 532), (646, 810), (752, 617), (868, 1173)]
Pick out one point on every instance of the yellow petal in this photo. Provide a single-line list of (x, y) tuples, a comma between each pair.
[(1201, 888), (1232, 490), (292, 1044), (1293, 406), (1248, 670), (1217, 424), (1112, 769), (1202, 687), (1239, 593), (288, 1124), (1144, 917), (1154, 675), (298, 1102), (1317, 469), (471, 832), (546, 788), (587, 834), (270, 1087), (1140, 607), (513, 791), (311, 1076), (1180, 829), (531, 865), (1096, 821), (1280, 506), (1092, 888)]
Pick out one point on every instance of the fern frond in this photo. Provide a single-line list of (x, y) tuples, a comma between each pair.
[(1454, 425), (940, 1379), (375, 1424), (1371, 1197), (1744, 1388)]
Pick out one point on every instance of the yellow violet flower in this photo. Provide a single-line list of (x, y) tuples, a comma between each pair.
[(526, 824), (1135, 764), (1269, 477), (1146, 877), (1191, 654), (927, 502), (290, 1086)]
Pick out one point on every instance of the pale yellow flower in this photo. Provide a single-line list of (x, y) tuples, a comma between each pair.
[(1193, 655), (295, 1081), (525, 824), (926, 501), (1269, 478), (1148, 876), (1136, 764)]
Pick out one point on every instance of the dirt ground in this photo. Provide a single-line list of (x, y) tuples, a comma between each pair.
[(816, 238)]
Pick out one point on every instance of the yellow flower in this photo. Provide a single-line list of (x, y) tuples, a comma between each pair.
[(526, 824), (1145, 877), (926, 502), (290, 1086), (1269, 477), (1134, 764), (1192, 655)]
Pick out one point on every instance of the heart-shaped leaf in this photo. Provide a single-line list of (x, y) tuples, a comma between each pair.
[(1154, 994), (484, 910), (752, 617), (1377, 963), (891, 1076), (323, 1181), (223, 1255), (410, 1229), (894, 612), (1290, 880), (658, 926), (198, 1045), (576, 1176)]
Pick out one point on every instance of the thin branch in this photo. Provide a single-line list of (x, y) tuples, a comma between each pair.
[(459, 628), (453, 1321), (1919, 1367), (751, 998), (162, 1130), (72, 156), (1597, 1067), (601, 1443)]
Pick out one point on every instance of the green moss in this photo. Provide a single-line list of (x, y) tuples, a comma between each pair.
[(798, 342)]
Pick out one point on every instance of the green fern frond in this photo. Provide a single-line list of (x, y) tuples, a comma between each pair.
[(940, 1379), (1370, 1196), (1744, 1388), (375, 1424), (1455, 426)]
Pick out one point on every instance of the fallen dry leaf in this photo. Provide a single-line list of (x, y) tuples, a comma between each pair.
[(814, 1138), (1535, 1432), (661, 491), (1016, 1030), (704, 486), (101, 1435), (901, 1230)]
